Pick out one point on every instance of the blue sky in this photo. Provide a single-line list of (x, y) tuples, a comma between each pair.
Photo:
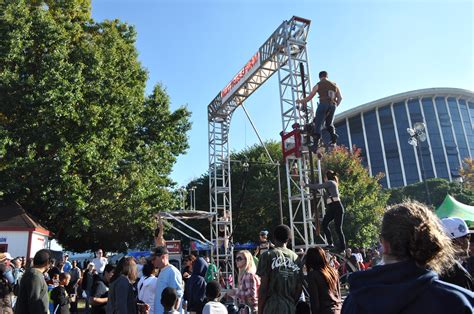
[(372, 49)]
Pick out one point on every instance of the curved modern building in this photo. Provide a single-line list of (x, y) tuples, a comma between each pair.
[(379, 129)]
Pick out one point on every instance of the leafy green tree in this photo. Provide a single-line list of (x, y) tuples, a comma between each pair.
[(256, 206), (363, 198), (81, 147), (467, 173), (438, 188), (255, 197)]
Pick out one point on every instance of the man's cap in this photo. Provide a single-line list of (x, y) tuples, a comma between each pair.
[(455, 227), (160, 250), (5, 256), (264, 232)]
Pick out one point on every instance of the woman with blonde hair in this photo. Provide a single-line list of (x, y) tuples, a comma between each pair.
[(249, 282), (415, 251)]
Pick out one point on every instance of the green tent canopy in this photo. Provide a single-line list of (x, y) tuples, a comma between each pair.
[(452, 208)]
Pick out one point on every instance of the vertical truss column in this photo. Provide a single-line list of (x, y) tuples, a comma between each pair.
[(220, 194), (292, 53)]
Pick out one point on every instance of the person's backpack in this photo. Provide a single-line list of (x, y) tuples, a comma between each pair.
[(16, 289), (5, 287), (84, 281)]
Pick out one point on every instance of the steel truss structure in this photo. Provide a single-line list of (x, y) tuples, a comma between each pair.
[(284, 52)]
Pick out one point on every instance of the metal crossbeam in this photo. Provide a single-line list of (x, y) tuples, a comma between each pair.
[(281, 53)]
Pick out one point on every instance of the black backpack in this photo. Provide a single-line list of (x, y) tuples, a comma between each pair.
[(5, 288)]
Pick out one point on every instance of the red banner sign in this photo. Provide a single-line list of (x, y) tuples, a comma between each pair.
[(173, 246), (249, 68)]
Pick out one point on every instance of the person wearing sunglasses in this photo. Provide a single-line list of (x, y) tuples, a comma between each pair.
[(456, 228), (249, 282)]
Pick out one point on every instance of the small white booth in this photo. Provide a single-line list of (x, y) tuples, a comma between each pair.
[(20, 235)]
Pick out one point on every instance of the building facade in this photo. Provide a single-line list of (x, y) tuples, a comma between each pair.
[(379, 129)]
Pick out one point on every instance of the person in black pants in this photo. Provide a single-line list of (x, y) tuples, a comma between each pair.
[(334, 209)]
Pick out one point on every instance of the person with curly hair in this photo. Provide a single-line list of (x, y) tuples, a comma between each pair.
[(415, 251)]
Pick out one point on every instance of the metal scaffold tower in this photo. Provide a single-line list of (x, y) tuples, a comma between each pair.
[(284, 52)]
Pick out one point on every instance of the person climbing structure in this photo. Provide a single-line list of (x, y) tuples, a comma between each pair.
[(159, 234), (329, 98)]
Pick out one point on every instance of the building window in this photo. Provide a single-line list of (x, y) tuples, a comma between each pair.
[(435, 138), (416, 116), (446, 129), (408, 155), (471, 110), (341, 130), (457, 127), (391, 147), (375, 147), (357, 136), (467, 124)]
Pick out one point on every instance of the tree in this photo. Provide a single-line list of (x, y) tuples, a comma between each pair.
[(256, 207), (362, 196), (467, 173), (255, 198), (438, 188), (81, 147)]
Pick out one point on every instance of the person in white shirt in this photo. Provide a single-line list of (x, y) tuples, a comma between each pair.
[(213, 292), (147, 286), (99, 261)]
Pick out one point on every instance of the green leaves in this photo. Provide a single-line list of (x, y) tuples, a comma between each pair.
[(255, 204), (362, 196), (81, 147)]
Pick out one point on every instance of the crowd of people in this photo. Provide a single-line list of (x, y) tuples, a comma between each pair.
[(423, 266)]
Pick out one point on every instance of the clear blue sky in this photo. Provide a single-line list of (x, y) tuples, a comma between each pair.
[(372, 49)]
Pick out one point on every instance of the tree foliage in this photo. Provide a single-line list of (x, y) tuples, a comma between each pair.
[(81, 147), (362, 196), (467, 173), (255, 197), (256, 206), (438, 189)]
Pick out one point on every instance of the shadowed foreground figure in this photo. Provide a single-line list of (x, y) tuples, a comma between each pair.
[(413, 242)]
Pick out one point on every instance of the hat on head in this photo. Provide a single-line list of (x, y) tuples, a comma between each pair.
[(5, 257), (455, 227), (264, 232), (160, 250)]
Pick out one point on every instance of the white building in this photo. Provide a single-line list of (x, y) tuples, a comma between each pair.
[(20, 235)]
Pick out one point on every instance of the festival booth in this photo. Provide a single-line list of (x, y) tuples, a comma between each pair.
[(20, 234), (453, 208)]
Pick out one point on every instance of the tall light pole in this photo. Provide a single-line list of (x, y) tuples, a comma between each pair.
[(418, 135), (182, 194), (192, 198)]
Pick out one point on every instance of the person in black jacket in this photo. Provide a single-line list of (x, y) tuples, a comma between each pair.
[(323, 281), (457, 230), (415, 251), (195, 288), (60, 297), (100, 290), (122, 298)]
